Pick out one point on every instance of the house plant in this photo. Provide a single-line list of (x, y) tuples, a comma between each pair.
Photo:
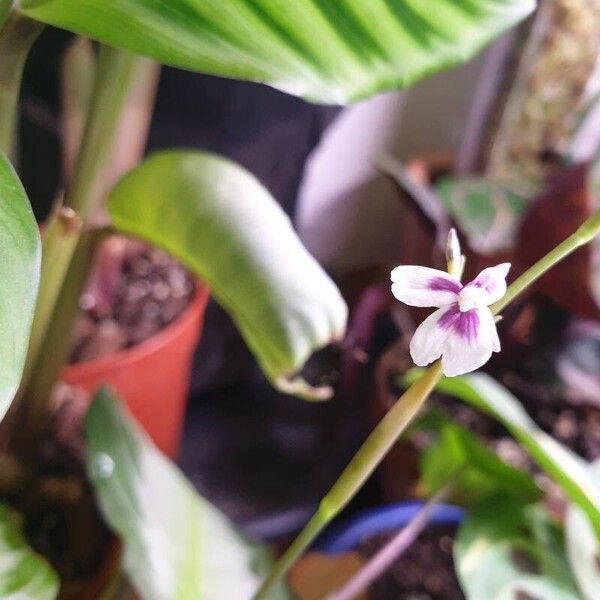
[(189, 203)]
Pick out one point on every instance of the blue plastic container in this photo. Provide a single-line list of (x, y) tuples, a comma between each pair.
[(346, 536)]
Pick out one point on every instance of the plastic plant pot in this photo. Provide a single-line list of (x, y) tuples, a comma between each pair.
[(152, 377)]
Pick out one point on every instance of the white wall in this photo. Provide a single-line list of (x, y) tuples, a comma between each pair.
[(347, 215)]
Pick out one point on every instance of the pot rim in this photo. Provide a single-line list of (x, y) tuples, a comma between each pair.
[(345, 536), (149, 346)]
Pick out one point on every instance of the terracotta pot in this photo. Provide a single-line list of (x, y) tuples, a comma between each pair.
[(151, 377)]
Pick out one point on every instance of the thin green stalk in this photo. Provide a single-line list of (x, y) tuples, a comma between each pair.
[(401, 414), (364, 462), (581, 237), (17, 35)]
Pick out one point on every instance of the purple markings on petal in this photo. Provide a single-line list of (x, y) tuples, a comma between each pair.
[(441, 284), (465, 324), (485, 282)]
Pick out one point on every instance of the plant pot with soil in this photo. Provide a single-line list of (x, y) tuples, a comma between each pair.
[(425, 569), (142, 321)]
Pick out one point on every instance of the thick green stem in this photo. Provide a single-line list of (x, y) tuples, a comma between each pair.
[(401, 414), (116, 70), (115, 78), (17, 34), (53, 351), (59, 241)]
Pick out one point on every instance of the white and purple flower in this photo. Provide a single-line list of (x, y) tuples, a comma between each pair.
[(462, 331)]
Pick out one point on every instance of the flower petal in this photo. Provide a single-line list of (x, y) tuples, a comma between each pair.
[(471, 340), (422, 286), (488, 325), (492, 281), (429, 339)]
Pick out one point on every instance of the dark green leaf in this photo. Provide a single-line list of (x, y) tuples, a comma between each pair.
[(479, 472), (24, 575), (326, 50), (217, 219), (177, 546), (570, 471), (583, 547), (504, 547), (19, 279), (486, 212)]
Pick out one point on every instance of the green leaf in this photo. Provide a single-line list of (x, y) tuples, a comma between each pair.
[(479, 472), (503, 548), (329, 51), (570, 471), (24, 575), (488, 213), (19, 279), (176, 544), (219, 221), (583, 547)]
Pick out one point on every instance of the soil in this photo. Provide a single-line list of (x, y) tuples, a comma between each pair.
[(424, 572), (54, 499), (134, 291)]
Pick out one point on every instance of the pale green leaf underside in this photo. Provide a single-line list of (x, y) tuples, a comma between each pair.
[(331, 51), (564, 466), (176, 545), (219, 221), (23, 574), (19, 279), (583, 547)]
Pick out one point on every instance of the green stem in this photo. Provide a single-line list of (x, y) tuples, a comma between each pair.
[(582, 236), (115, 77), (364, 462), (17, 35), (116, 69), (33, 409), (401, 414), (59, 241)]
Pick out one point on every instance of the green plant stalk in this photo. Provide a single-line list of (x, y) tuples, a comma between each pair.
[(364, 462), (393, 424), (584, 234), (116, 70), (17, 34), (59, 241), (115, 77)]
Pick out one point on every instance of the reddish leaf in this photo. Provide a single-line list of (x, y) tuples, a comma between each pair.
[(555, 214)]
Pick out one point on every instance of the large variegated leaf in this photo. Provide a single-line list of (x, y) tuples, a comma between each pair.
[(326, 50), (19, 279), (176, 545), (219, 221), (24, 575)]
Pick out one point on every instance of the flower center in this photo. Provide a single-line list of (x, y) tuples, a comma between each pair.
[(471, 297)]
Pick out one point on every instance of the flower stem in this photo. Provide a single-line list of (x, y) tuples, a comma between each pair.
[(585, 234), (364, 462), (385, 434)]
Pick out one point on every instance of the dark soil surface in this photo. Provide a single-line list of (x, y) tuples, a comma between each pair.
[(134, 291), (424, 572)]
